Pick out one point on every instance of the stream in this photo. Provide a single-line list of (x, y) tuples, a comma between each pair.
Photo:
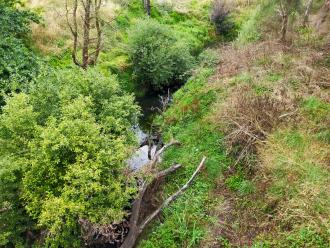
[(150, 105)]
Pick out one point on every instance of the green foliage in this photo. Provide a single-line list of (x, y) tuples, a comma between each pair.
[(249, 30), (158, 59), (18, 64), (63, 149), (223, 21)]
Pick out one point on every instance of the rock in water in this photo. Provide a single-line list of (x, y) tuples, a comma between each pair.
[(141, 136), (140, 157)]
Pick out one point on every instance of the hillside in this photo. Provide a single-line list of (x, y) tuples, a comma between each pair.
[(244, 85)]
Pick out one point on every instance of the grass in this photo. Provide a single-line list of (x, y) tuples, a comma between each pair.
[(185, 221), (296, 163), (284, 200)]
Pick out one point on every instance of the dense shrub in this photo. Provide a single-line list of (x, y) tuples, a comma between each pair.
[(159, 60), (17, 64), (63, 148)]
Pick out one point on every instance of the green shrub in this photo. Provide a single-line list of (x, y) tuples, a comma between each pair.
[(18, 64), (159, 60), (63, 149), (255, 19)]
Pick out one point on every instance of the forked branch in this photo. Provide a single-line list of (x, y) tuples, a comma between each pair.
[(137, 228)]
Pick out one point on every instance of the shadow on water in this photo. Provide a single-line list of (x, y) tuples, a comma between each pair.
[(152, 104), (149, 103), (148, 137)]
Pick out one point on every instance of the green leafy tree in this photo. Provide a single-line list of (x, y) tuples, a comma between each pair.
[(17, 126), (159, 60), (63, 152)]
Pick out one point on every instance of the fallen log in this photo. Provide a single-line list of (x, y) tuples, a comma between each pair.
[(135, 228)]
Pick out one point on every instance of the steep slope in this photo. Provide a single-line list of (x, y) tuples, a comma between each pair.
[(262, 118)]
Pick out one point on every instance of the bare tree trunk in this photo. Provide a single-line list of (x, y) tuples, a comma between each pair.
[(86, 41), (96, 53), (147, 7), (284, 16), (307, 12), (91, 46), (73, 29)]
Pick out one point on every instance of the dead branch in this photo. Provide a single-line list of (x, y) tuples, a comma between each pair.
[(156, 158), (307, 12), (173, 197), (164, 173), (135, 228), (324, 84)]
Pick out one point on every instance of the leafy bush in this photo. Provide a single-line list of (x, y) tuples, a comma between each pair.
[(63, 149), (18, 64), (249, 30), (159, 60)]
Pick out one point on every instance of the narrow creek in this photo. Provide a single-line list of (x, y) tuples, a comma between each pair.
[(150, 104)]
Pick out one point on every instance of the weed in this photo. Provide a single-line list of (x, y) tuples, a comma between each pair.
[(243, 78), (296, 162)]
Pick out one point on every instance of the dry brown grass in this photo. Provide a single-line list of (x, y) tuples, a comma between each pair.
[(53, 36), (291, 181), (248, 118)]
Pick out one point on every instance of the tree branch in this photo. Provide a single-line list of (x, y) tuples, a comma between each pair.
[(160, 151), (172, 197), (135, 228)]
